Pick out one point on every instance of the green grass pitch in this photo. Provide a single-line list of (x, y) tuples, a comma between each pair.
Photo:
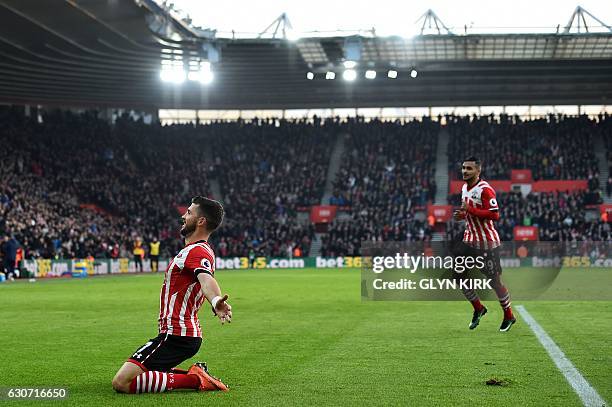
[(299, 337)]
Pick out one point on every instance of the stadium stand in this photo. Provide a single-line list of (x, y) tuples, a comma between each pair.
[(387, 173), (47, 170), (559, 216), (73, 185), (135, 175), (555, 147), (270, 170)]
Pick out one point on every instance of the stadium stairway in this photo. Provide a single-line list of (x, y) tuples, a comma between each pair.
[(602, 162), (441, 178), (317, 242), (442, 168), (213, 182), (315, 246), (333, 168), (438, 236), (215, 189)]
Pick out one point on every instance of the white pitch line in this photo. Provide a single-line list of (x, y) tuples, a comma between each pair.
[(585, 391)]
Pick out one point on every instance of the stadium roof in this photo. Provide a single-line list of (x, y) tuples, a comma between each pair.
[(109, 53)]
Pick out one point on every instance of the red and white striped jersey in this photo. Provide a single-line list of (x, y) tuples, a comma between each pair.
[(181, 294), (480, 232)]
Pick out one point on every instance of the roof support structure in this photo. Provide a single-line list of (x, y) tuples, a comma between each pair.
[(281, 22), (579, 15), (430, 19)]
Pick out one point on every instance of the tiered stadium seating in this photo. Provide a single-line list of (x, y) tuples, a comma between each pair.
[(386, 174), (73, 185), (552, 148), (558, 216)]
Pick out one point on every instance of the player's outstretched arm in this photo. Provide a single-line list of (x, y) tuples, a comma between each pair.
[(219, 303)]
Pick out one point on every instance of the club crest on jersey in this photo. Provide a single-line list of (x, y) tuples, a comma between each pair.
[(205, 263)]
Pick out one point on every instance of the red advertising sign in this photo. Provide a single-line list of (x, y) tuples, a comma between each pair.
[(521, 176), (322, 213), (525, 233), (95, 208), (500, 185), (536, 186), (497, 185), (455, 187), (606, 212), (441, 213), (553, 186)]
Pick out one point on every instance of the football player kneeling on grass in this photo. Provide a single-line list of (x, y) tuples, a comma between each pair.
[(188, 282)]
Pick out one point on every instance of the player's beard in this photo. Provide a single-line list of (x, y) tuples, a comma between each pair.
[(188, 229)]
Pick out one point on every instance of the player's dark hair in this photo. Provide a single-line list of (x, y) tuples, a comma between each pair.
[(473, 158), (211, 210)]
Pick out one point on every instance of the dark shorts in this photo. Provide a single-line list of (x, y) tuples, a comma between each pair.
[(492, 261), (165, 352)]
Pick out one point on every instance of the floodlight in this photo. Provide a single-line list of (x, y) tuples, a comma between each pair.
[(349, 75), (172, 74)]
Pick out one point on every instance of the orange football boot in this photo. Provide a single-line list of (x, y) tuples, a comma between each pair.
[(207, 381)]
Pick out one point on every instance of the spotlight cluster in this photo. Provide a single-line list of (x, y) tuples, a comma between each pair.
[(172, 75), (173, 71), (350, 73)]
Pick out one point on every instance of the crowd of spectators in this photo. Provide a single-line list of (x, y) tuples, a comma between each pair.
[(46, 171), (555, 147), (559, 216), (271, 170), (73, 185), (132, 177), (387, 173)]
